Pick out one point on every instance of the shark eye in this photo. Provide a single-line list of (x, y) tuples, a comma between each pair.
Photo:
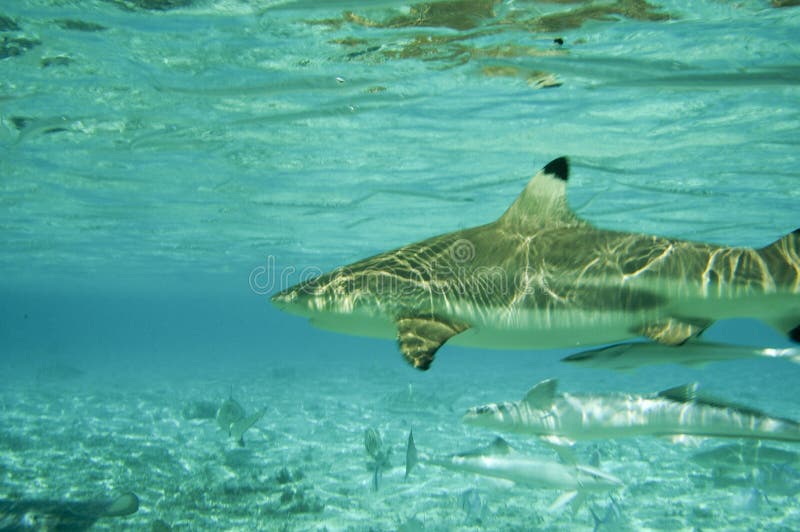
[(486, 409)]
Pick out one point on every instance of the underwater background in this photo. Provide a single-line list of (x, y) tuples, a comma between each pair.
[(166, 165)]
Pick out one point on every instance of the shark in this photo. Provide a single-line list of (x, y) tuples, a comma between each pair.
[(694, 353), (500, 461), (540, 276), (564, 418)]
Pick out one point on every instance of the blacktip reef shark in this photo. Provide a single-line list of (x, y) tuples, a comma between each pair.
[(541, 277), (694, 353), (681, 411), (499, 460)]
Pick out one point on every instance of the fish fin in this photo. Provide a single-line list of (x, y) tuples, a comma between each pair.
[(685, 393), (673, 331), (597, 520), (412, 457), (238, 428), (689, 393), (541, 395), (499, 446), (376, 476), (543, 202), (420, 338), (563, 500), (125, 504), (613, 350), (564, 452)]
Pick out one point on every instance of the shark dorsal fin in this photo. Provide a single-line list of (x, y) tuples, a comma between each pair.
[(543, 202), (541, 395), (681, 394), (499, 447), (689, 393)]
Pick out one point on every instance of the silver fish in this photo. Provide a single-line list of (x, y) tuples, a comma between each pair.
[(232, 419)]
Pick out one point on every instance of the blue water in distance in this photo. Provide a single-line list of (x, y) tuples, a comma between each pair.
[(165, 166)]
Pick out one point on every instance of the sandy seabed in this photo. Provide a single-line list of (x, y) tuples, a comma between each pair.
[(79, 436)]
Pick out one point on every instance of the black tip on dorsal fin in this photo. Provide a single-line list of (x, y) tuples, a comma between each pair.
[(558, 167)]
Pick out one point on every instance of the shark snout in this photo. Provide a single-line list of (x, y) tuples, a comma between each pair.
[(283, 299), (291, 300)]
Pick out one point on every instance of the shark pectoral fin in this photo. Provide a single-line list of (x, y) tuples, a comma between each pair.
[(673, 331), (563, 500), (564, 451), (420, 338)]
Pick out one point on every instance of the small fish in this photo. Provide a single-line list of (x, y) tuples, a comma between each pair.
[(229, 413), (499, 460), (474, 505), (611, 515), (232, 419), (563, 418), (36, 514), (694, 353), (380, 456)]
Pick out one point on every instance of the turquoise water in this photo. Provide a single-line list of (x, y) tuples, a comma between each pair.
[(157, 157)]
